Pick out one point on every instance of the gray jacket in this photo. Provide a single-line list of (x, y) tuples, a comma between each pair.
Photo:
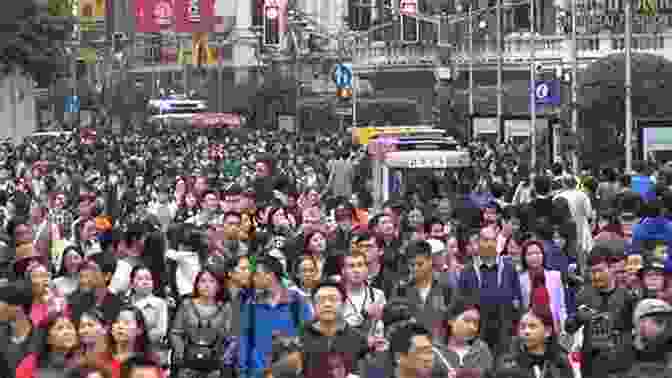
[(188, 319)]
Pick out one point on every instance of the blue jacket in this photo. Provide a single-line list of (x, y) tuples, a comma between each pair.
[(498, 287), (658, 228), (260, 322)]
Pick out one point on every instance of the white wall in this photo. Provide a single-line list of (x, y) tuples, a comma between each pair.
[(26, 117)]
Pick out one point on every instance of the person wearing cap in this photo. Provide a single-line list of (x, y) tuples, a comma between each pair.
[(16, 329), (648, 355), (274, 311)]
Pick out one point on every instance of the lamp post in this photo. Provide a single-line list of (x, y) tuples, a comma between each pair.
[(628, 86), (574, 87), (533, 93), (500, 61)]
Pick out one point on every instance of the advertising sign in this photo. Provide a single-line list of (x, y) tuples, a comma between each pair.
[(408, 7), (216, 120), (194, 16), (656, 139), (154, 16)]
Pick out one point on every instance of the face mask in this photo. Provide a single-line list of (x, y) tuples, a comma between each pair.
[(142, 291)]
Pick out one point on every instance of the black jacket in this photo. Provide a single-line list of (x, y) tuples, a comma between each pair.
[(81, 302), (554, 363), (316, 346)]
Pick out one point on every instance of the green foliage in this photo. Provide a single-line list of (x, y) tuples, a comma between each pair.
[(60, 8), (32, 42), (601, 101)]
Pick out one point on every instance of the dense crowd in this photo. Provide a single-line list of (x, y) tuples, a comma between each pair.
[(260, 254)]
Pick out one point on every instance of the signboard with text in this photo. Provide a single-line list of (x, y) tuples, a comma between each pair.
[(194, 16)]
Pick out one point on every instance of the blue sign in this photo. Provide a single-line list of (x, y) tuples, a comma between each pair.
[(547, 92), (343, 75), (72, 104)]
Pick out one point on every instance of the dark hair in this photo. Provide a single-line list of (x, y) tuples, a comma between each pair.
[(542, 185), (142, 345), (136, 363), (43, 335), (401, 340), (459, 306), (526, 246), (418, 248), (358, 238), (598, 255), (328, 283), (221, 290)]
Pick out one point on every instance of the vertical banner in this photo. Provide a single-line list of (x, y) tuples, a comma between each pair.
[(194, 16), (281, 5), (153, 16)]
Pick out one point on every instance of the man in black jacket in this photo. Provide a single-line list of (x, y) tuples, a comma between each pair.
[(93, 293)]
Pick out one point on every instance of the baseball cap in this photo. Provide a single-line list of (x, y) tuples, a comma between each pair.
[(648, 307)]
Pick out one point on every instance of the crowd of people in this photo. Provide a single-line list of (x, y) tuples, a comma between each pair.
[(259, 254)]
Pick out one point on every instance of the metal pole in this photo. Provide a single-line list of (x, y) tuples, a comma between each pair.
[(628, 86), (533, 95), (471, 60), (355, 83), (574, 88), (500, 58), (13, 105)]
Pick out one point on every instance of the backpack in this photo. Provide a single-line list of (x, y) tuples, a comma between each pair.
[(201, 349)]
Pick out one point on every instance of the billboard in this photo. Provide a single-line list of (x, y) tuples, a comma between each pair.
[(154, 16), (194, 16)]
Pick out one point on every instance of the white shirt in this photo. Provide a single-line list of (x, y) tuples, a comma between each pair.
[(188, 266), (357, 301), (155, 311)]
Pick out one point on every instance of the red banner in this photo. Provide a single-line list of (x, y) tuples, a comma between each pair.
[(216, 120), (195, 16), (153, 16)]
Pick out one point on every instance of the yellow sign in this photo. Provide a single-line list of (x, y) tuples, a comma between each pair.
[(648, 7), (362, 135)]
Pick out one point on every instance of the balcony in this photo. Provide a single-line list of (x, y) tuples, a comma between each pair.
[(377, 55), (556, 49)]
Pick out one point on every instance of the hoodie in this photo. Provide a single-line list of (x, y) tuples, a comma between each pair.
[(652, 229)]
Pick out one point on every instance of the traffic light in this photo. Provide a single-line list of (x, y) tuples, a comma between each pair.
[(271, 24), (410, 29)]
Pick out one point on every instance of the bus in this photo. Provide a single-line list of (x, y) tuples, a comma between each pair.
[(362, 135), (404, 165), (174, 110)]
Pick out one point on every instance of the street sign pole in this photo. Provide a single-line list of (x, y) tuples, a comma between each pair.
[(533, 87)]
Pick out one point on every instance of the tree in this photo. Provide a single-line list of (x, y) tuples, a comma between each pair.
[(601, 101), (31, 39)]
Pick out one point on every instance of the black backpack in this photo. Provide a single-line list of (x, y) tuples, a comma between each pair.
[(202, 346)]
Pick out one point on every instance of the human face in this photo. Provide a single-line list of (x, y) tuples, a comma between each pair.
[(7, 312), (355, 270), (211, 202), (72, 262), (372, 250), (90, 277), (600, 276), (40, 279), (317, 243), (311, 216), (421, 267), (59, 201), (437, 231), (143, 281), (653, 280), (534, 257), (490, 215), (386, 225), (420, 357), (90, 329), (415, 218), (139, 182), (514, 248), (126, 328), (308, 273), (336, 366), (617, 270), (207, 286), (488, 243), (328, 303), (23, 232), (532, 331), (62, 335), (466, 325), (241, 274)]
